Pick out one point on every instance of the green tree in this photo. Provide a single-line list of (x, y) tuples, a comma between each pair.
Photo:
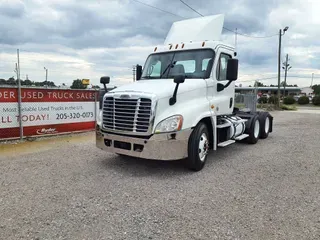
[(259, 84), (11, 81), (283, 83), (316, 89), (27, 82), (3, 81), (77, 84)]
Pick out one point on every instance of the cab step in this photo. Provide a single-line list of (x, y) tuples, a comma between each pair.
[(241, 137), (226, 143)]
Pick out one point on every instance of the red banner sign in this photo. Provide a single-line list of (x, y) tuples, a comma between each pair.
[(46, 111)]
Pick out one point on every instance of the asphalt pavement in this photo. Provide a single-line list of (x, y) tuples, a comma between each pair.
[(65, 188)]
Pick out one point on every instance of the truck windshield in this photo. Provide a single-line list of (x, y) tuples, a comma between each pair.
[(190, 63)]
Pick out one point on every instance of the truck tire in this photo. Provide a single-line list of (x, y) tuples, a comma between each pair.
[(198, 147), (265, 124), (254, 130)]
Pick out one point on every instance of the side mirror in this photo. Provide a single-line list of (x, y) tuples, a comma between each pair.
[(232, 69), (105, 80), (138, 72), (179, 79)]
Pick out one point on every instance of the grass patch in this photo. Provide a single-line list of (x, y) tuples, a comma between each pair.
[(266, 106), (239, 105), (288, 107)]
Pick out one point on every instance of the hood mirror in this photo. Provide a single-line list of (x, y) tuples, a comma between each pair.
[(177, 80)]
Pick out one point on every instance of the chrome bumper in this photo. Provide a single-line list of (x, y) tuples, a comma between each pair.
[(164, 146)]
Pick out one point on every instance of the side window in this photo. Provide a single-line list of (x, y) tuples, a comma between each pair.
[(222, 67)]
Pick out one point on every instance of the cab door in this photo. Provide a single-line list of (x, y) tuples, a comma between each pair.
[(223, 101)]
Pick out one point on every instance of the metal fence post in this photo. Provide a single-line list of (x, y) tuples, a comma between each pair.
[(19, 98), (95, 108)]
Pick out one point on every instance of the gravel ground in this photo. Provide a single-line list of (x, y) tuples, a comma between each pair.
[(65, 188)]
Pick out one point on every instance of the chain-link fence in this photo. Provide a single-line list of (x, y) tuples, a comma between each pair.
[(44, 111)]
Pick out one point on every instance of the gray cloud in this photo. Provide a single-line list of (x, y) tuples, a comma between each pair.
[(12, 8), (110, 36)]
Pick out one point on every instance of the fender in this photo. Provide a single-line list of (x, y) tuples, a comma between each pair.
[(213, 121)]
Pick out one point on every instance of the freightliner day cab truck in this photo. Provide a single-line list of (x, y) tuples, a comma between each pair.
[(182, 102)]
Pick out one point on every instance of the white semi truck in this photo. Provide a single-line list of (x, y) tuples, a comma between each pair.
[(182, 102)]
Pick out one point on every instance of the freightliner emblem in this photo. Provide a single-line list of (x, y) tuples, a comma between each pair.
[(125, 96)]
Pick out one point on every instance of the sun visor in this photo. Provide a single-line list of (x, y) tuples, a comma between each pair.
[(196, 29)]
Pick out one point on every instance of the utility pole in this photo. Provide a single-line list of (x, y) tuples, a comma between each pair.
[(312, 79), (286, 67), (16, 71), (134, 73), (46, 76), (279, 61)]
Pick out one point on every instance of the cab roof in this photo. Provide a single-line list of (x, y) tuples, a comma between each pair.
[(181, 46)]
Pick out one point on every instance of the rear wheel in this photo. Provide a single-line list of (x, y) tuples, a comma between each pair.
[(254, 130), (198, 147), (265, 124)]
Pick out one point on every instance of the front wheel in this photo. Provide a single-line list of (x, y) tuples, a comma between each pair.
[(198, 147)]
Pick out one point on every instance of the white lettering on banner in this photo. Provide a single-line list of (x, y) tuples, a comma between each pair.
[(60, 95), (47, 113), (7, 95), (32, 95), (46, 131)]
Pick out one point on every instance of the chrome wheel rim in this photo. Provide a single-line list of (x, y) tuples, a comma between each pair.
[(256, 129), (203, 147), (267, 125)]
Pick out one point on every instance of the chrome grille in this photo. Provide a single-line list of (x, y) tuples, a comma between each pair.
[(130, 115)]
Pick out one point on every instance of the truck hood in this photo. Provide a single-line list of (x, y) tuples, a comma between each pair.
[(161, 87)]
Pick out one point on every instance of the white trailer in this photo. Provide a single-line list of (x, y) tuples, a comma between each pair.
[(182, 104)]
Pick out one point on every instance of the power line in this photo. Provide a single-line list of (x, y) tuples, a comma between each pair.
[(245, 35), (191, 8), (227, 29), (249, 36), (148, 5)]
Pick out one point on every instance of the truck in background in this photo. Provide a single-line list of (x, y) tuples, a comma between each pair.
[(182, 104)]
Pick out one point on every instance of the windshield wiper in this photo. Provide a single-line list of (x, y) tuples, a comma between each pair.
[(169, 65)]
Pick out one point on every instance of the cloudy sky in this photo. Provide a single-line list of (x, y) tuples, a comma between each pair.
[(90, 38)]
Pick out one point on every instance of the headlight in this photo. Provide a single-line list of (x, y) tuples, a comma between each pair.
[(170, 124), (99, 118)]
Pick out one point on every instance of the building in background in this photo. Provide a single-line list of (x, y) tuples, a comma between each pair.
[(269, 90)]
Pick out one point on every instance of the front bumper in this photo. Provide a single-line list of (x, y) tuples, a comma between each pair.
[(164, 146)]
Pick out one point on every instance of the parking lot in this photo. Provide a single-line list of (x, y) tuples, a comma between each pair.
[(65, 188)]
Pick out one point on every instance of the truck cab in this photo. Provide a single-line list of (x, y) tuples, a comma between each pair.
[(182, 104)]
